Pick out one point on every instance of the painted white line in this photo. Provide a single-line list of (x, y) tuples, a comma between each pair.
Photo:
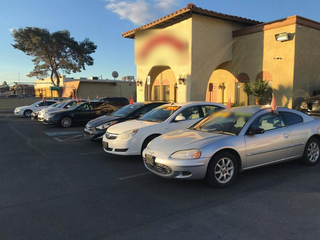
[(91, 153), (69, 138), (134, 176)]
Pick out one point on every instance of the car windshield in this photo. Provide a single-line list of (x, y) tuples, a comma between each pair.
[(159, 114), (126, 110), (36, 103), (75, 106), (55, 104), (224, 122), (60, 105)]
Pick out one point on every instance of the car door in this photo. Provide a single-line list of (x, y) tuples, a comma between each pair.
[(272, 145), (299, 133), (82, 113), (190, 114)]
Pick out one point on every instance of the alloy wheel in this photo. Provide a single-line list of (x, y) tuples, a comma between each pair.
[(224, 170), (313, 152)]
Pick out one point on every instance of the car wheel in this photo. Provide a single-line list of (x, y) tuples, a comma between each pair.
[(146, 142), (66, 122), (27, 113), (222, 170), (311, 152)]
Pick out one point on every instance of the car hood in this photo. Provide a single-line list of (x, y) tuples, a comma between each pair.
[(184, 139), (23, 107), (101, 120), (129, 125)]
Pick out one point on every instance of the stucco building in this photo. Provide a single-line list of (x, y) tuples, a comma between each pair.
[(86, 88), (197, 54)]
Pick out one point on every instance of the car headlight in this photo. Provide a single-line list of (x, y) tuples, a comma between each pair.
[(187, 154), (128, 134), (105, 125), (304, 105)]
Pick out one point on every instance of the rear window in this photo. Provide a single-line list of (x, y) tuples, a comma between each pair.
[(291, 118)]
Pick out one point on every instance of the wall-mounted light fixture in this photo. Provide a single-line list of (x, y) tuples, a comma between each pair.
[(139, 82), (281, 37), (222, 86), (182, 80)]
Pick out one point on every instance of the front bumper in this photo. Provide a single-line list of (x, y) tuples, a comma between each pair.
[(50, 121), (34, 116), (126, 147), (166, 167), (92, 133), (17, 113)]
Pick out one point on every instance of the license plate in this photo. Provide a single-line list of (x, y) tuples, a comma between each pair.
[(150, 159)]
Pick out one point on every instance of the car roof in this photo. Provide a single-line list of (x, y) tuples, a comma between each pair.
[(192, 103)]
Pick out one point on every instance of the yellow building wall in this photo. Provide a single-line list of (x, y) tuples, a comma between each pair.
[(260, 52), (307, 68), (212, 45), (121, 89), (152, 68)]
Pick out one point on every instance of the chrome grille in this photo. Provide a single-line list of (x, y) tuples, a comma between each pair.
[(160, 168)]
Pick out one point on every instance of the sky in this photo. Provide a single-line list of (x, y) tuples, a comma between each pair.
[(103, 22)]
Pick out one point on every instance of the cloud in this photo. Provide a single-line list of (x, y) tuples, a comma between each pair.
[(140, 11)]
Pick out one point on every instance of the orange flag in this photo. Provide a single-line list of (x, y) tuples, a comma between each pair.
[(97, 96), (43, 100), (229, 104), (77, 99), (273, 104), (131, 101)]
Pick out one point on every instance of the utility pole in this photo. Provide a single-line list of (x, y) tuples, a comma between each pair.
[(19, 77)]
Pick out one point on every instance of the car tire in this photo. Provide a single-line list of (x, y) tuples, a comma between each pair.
[(311, 152), (222, 170), (27, 113), (66, 122), (146, 142)]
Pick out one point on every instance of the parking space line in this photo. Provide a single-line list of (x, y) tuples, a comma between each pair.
[(91, 153), (134, 176), (64, 133)]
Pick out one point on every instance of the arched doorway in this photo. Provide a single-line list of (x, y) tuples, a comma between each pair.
[(241, 97), (162, 84), (220, 87)]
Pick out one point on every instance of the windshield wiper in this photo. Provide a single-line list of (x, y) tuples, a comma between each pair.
[(222, 132)]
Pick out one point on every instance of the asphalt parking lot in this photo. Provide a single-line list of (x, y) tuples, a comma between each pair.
[(55, 185)]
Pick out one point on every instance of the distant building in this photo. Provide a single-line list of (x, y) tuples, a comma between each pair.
[(83, 87), (26, 90)]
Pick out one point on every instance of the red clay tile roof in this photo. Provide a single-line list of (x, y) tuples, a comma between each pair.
[(189, 10)]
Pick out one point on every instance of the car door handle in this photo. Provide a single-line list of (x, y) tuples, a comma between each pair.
[(286, 135)]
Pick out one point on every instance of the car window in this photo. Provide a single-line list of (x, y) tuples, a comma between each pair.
[(145, 109), (268, 121), (41, 104), (291, 118), (71, 104), (208, 110), (85, 107), (50, 103), (190, 113)]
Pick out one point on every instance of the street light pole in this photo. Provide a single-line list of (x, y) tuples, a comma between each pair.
[(19, 77)]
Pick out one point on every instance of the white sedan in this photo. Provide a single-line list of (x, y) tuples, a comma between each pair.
[(37, 106), (132, 137)]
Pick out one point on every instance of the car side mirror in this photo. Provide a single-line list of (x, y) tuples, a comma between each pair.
[(37, 105), (179, 118), (254, 131)]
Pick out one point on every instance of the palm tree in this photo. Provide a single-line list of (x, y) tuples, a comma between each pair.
[(257, 89)]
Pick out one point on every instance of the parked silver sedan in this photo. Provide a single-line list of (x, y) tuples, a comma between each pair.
[(233, 140)]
